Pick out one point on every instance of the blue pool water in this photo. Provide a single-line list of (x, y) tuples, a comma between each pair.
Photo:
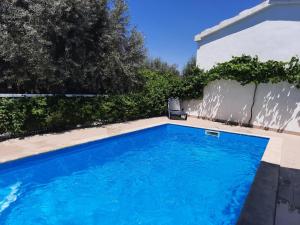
[(167, 175)]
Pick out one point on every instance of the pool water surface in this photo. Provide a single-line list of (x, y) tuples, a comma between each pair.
[(166, 175)]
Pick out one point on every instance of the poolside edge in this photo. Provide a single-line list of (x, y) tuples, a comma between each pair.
[(260, 205)]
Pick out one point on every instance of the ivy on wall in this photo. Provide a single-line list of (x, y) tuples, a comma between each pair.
[(247, 69), (244, 69)]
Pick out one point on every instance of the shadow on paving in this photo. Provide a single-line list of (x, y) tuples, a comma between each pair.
[(260, 205), (274, 198), (288, 198)]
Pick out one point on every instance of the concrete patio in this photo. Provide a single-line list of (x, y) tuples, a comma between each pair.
[(283, 149)]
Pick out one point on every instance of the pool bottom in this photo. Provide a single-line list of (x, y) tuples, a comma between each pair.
[(186, 177)]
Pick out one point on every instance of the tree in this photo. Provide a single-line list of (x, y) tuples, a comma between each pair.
[(69, 46), (18, 44), (192, 70), (189, 67), (126, 53), (158, 65)]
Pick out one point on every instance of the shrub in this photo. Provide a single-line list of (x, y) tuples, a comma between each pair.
[(23, 116)]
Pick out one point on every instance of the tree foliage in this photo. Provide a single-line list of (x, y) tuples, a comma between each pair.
[(158, 65), (68, 46), (189, 67)]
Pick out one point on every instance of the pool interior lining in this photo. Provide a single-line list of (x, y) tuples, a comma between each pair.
[(264, 203)]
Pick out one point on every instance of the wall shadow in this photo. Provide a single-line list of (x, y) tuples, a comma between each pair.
[(228, 101), (278, 107)]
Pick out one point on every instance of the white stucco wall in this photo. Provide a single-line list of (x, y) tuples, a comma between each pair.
[(277, 106), (270, 34), (225, 100)]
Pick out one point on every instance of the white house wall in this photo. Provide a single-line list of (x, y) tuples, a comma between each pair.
[(277, 106), (270, 34)]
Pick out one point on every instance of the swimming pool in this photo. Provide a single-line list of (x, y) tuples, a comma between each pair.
[(164, 175)]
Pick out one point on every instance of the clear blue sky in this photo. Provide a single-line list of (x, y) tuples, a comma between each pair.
[(169, 26)]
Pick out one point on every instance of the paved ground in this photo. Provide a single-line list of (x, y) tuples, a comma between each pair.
[(283, 149)]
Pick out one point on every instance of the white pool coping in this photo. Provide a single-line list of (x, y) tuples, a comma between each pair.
[(282, 149)]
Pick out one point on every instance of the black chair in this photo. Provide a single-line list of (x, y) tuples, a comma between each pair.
[(175, 110)]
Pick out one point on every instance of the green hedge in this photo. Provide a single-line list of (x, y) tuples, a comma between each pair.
[(23, 116), (28, 115)]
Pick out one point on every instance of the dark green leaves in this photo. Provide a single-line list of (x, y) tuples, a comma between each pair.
[(68, 46)]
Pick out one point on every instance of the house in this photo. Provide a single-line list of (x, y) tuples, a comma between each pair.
[(270, 30)]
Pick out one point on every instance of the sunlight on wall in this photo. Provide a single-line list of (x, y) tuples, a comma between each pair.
[(277, 106)]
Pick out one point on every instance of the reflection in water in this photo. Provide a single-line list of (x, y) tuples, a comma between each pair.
[(11, 197)]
